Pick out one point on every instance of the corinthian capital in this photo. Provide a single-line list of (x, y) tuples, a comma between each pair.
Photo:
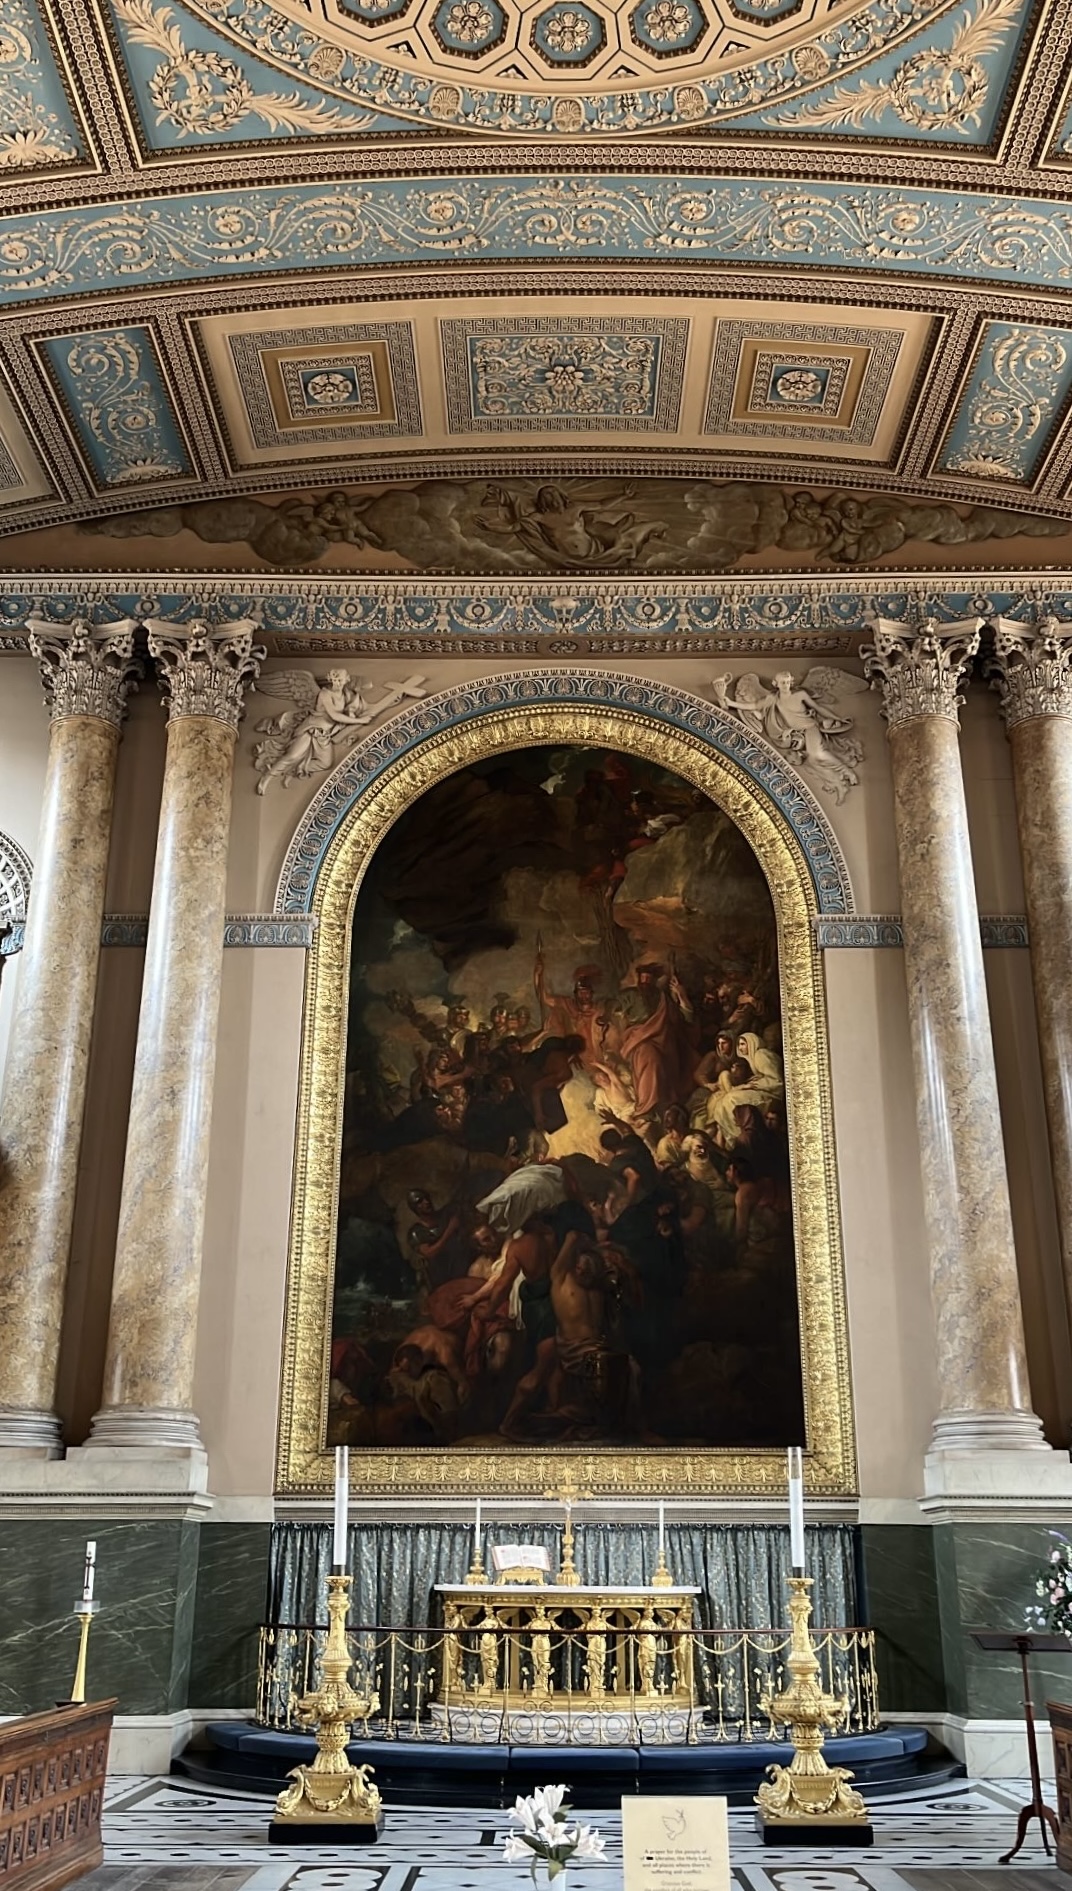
[(87, 669), (1031, 668), (204, 669), (920, 668)]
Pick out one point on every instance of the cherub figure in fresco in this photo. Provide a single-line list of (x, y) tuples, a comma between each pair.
[(560, 529)]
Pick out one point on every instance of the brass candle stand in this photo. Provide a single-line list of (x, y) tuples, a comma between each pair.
[(808, 1802), (83, 1614), (331, 1801)]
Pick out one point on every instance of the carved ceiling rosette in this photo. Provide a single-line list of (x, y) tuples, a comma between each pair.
[(86, 669), (205, 670), (1031, 668), (920, 668)]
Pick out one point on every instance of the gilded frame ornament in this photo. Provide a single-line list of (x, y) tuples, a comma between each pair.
[(304, 1464)]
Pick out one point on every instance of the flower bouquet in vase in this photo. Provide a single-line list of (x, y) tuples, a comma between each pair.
[(1053, 1587), (546, 1836)]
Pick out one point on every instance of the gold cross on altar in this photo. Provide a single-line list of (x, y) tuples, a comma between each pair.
[(567, 1494)]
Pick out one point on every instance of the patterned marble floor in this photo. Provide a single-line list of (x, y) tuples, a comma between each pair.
[(169, 1835)]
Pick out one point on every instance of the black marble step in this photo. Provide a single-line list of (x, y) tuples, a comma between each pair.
[(426, 1772)]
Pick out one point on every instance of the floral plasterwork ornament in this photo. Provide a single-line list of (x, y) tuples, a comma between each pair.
[(200, 93), (936, 89), (328, 713), (800, 719), (920, 668)]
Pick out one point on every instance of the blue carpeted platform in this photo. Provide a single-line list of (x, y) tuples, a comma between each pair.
[(432, 1772)]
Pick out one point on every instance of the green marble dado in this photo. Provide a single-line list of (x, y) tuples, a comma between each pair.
[(232, 1578), (900, 1601), (986, 1575), (179, 1607)]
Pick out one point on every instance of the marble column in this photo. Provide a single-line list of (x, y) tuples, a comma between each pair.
[(87, 673), (985, 1403), (148, 1379), (1031, 668)]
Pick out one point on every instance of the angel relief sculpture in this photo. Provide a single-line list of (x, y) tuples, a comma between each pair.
[(327, 711), (801, 719)]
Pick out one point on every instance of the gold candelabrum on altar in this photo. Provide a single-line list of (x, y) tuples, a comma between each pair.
[(808, 1794), (331, 1800)]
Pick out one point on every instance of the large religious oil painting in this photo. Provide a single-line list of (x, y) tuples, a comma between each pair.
[(565, 1196)]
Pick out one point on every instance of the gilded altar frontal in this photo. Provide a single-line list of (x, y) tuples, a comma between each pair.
[(564, 1188)]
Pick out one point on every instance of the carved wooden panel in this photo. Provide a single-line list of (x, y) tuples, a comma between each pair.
[(52, 1769)]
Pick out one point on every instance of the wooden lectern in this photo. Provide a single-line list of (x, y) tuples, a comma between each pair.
[(1001, 1641)]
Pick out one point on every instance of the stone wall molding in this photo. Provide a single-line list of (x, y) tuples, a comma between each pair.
[(87, 669), (205, 669), (1030, 666), (867, 931), (921, 669)]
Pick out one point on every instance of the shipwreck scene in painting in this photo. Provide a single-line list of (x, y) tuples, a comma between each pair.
[(565, 1208)]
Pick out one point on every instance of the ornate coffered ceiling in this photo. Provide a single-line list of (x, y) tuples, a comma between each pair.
[(522, 285)]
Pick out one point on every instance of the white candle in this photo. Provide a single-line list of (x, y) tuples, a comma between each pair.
[(476, 1534), (796, 1508), (342, 1494), (87, 1579), (662, 1529)]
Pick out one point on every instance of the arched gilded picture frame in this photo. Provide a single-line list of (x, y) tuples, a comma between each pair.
[(565, 1193)]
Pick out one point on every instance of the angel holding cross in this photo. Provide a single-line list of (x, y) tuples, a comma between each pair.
[(302, 741)]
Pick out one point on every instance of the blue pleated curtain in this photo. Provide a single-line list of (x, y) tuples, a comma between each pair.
[(739, 1568)]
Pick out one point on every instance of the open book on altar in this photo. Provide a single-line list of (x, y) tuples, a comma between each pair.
[(520, 1562)]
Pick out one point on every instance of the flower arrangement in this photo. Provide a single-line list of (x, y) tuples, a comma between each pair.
[(1053, 1586), (546, 1834)]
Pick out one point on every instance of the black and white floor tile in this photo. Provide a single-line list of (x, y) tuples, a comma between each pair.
[(167, 1835)]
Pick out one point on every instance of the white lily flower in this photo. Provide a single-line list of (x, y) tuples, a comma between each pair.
[(524, 1810), (515, 1850), (589, 1843), (550, 1798), (549, 1828)]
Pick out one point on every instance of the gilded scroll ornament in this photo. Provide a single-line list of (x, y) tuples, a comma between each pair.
[(205, 671), (920, 669), (1031, 668), (86, 669)]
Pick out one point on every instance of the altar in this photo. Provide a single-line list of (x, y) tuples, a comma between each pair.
[(536, 1654)]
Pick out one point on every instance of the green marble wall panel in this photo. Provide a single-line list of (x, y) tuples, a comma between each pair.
[(140, 1642), (231, 1584), (986, 1574), (901, 1595)]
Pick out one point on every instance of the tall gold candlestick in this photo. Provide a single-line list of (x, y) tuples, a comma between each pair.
[(808, 1794), (331, 1800)]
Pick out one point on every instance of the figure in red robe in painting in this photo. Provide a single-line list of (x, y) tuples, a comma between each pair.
[(660, 1051)]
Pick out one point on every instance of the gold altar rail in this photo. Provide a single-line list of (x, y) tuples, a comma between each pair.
[(430, 1689)]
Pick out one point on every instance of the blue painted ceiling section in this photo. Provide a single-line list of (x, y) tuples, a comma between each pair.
[(37, 125), (733, 220), (1019, 384)]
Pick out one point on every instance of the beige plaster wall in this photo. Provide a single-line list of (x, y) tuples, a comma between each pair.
[(256, 1084), (23, 758)]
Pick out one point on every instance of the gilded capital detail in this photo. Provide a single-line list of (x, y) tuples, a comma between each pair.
[(920, 669), (86, 669), (205, 670), (1031, 668)]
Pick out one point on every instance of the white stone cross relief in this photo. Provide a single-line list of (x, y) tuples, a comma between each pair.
[(328, 713), (801, 720)]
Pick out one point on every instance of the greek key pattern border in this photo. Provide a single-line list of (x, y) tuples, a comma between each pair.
[(240, 929), (870, 930)]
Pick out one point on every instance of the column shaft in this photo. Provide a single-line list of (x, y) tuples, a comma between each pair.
[(982, 1370), (148, 1379), (45, 1080), (1031, 667), (979, 1325)]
